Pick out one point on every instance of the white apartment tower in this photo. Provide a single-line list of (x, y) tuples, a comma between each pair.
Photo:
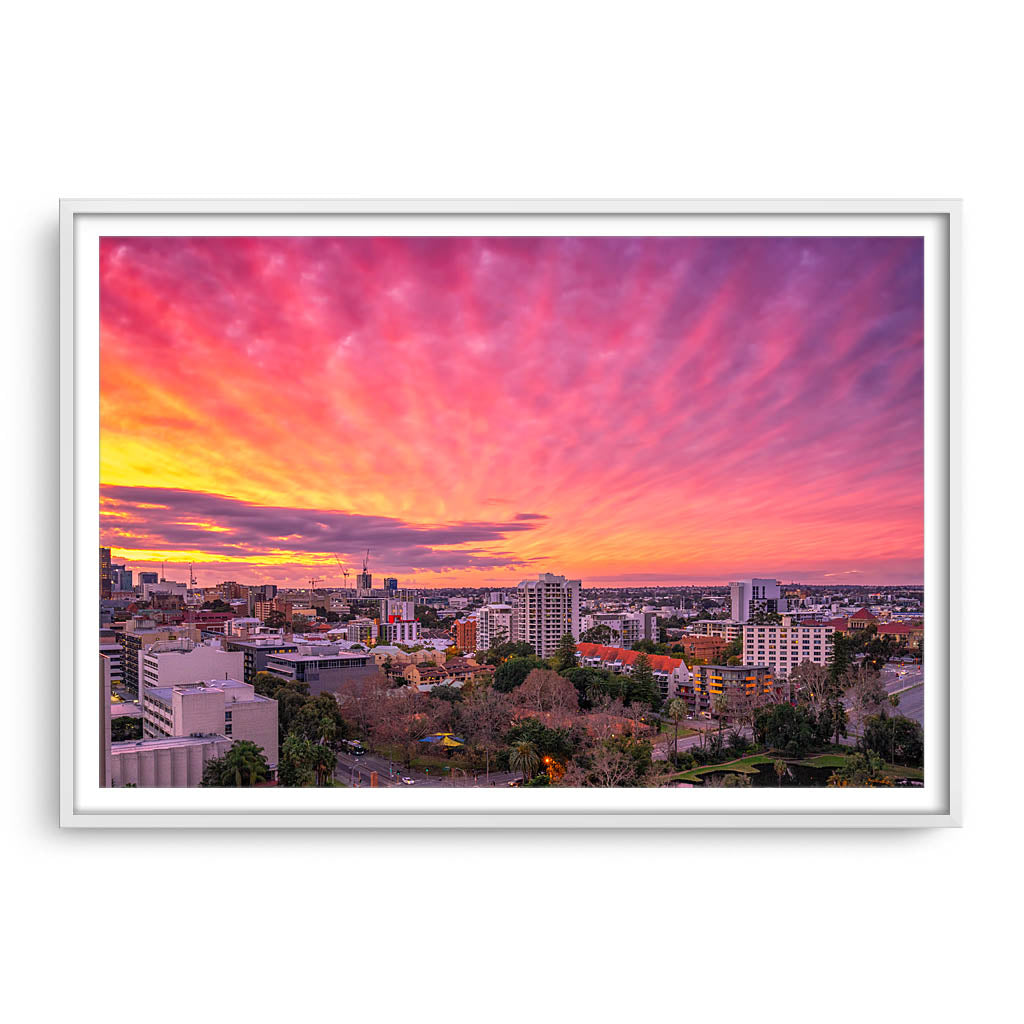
[(755, 595), (545, 610), (783, 647), (493, 624)]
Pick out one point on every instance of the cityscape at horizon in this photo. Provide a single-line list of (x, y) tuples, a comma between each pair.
[(627, 411)]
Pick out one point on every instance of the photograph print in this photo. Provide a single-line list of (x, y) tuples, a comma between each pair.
[(509, 512)]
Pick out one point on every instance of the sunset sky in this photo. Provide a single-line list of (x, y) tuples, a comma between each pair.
[(477, 410)]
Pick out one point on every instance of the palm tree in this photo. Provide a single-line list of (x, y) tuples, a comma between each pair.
[(324, 762), (676, 711), (524, 758), (780, 769), (720, 705), (243, 765)]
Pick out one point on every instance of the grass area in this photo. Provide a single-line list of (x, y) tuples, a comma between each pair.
[(824, 761), (895, 771), (750, 764), (668, 729), (743, 765)]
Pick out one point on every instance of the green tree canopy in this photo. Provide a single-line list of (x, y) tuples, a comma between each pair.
[(599, 634), (512, 673), (565, 653), (782, 727), (243, 765)]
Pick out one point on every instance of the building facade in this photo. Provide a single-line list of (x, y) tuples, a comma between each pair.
[(170, 761), (327, 670), (671, 674), (739, 684), (465, 634), (169, 662), (493, 625), (749, 597), (783, 647), (217, 707)]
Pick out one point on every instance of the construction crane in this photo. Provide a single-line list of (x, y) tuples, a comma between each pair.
[(366, 561), (344, 571), (312, 583)]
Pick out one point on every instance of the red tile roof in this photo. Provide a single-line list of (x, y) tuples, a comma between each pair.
[(659, 662), (864, 614)]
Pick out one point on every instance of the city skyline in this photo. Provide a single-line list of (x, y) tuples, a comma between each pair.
[(655, 411)]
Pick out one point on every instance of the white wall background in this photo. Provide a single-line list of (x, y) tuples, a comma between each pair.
[(524, 100)]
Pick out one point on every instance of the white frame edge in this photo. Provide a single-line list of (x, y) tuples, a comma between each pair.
[(68, 633)]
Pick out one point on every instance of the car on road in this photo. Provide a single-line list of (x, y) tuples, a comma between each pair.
[(406, 781)]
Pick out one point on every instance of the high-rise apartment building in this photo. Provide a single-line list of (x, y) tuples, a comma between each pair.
[(364, 582), (493, 625), (783, 647), (749, 597), (148, 577), (390, 585), (545, 610)]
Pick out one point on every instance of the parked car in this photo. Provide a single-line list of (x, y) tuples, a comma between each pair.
[(406, 781)]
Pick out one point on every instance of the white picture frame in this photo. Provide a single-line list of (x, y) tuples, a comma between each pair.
[(83, 804)]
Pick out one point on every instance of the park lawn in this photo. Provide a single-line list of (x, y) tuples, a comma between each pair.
[(743, 765), (667, 729), (894, 771)]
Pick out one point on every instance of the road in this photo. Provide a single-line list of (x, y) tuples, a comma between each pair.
[(912, 699), (355, 771)]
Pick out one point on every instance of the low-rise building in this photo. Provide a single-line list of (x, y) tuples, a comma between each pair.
[(739, 684), (256, 650), (218, 707), (627, 628), (703, 648), (170, 761), (324, 668), (168, 662), (671, 674)]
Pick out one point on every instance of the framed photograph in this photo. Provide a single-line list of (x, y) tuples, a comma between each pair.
[(509, 514)]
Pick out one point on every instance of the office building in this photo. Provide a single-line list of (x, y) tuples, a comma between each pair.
[(169, 761), (256, 650), (545, 610), (216, 707), (136, 637), (106, 581), (148, 577), (325, 668), (168, 662), (390, 585)]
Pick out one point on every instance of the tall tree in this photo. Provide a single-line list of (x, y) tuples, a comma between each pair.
[(643, 686), (677, 710), (565, 653), (524, 758)]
